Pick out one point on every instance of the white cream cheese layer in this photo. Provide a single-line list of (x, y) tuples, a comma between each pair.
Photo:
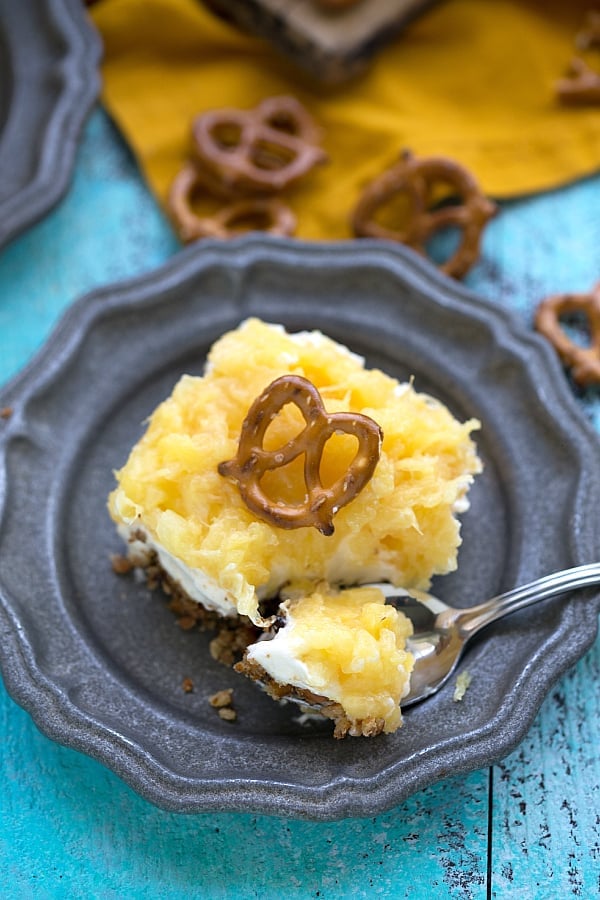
[(203, 589), (196, 584), (274, 653), (277, 655)]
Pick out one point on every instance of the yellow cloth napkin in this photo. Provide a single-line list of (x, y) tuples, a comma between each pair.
[(468, 79)]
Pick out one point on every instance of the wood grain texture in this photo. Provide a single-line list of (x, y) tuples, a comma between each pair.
[(70, 828), (546, 797)]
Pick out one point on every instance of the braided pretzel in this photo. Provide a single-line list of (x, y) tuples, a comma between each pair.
[(258, 213), (580, 86), (415, 178), (288, 115), (252, 461), (583, 361), (261, 150)]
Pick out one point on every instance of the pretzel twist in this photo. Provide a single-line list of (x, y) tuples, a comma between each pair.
[(266, 213), (252, 461), (261, 150), (584, 362), (415, 177), (580, 86), (287, 114)]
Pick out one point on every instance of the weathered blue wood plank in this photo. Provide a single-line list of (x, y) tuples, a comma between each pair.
[(542, 245), (71, 829), (546, 795), (68, 827)]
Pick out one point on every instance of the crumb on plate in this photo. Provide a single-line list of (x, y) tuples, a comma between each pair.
[(462, 683)]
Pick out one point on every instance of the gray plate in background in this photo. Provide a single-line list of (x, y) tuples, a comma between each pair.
[(49, 55)]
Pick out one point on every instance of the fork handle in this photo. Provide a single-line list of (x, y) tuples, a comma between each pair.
[(471, 620)]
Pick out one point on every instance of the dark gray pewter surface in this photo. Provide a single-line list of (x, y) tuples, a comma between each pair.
[(98, 661), (49, 55)]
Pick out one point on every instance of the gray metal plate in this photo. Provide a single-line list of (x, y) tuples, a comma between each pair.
[(98, 660), (49, 55)]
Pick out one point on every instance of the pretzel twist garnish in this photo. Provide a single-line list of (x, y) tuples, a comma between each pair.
[(584, 362), (580, 86), (252, 461), (261, 150), (261, 213), (415, 178)]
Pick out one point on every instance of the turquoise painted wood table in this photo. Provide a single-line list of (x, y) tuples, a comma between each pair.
[(528, 827)]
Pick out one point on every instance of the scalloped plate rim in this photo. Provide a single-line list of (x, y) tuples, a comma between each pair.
[(45, 184), (344, 796)]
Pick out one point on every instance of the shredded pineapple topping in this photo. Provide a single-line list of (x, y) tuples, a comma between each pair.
[(400, 528), (348, 646)]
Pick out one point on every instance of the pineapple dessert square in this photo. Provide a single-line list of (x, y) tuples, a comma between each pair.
[(267, 491)]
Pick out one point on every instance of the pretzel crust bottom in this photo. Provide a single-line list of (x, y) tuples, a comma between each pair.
[(315, 703), (233, 635)]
